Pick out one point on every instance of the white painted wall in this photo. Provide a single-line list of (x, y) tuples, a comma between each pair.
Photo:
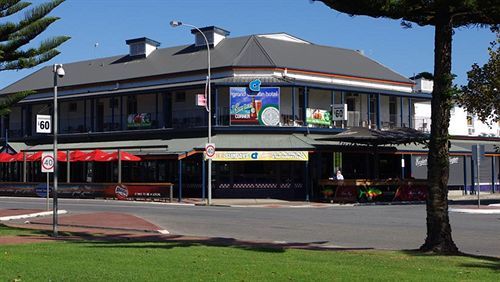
[(458, 122)]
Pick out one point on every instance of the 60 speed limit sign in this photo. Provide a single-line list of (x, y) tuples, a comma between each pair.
[(47, 162), (210, 150), (43, 124)]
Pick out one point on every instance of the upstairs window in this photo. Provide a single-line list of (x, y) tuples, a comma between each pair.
[(180, 97), (73, 107), (131, 105)]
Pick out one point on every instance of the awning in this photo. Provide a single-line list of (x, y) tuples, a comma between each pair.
[(262, 142)]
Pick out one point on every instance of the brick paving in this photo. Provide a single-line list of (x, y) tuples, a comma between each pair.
[(108, 220)]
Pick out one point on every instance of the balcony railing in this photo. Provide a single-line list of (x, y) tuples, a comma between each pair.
[(189, 118), (422, 123)]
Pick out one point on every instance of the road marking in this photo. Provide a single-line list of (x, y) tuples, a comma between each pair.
[(30, 215), (476, 211), (163, 231)]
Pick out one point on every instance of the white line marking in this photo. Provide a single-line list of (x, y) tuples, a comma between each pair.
[(476, 211), (30, 215)]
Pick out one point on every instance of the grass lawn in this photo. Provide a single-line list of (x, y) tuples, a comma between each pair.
[(133, 261)]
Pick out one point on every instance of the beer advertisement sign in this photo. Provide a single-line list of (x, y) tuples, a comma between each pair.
[(248, 107)]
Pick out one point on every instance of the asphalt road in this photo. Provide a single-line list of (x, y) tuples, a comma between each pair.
[(380, 227)]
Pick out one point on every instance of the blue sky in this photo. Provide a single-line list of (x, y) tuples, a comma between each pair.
[(110, 22)]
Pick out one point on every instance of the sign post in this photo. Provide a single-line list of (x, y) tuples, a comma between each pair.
[(48, 167), (477, 157)]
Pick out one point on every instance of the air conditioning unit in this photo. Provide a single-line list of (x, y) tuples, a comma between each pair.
[(471, 131)]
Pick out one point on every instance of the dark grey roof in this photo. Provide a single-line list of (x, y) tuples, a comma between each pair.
[(247, 51), (143, 39)]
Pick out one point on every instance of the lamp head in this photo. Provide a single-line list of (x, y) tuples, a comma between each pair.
[(58, 69), (175, 23)]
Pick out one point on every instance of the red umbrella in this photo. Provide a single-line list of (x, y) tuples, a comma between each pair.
[(35, 157), (61, 156), (6, 158), (19, 157), (96, 155), (76, 155), (126, 157)]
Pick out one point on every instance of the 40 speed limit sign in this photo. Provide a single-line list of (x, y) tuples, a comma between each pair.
[(209, 150), (43, 124), (47, 162)]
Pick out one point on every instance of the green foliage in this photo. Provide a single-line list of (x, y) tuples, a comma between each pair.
[(10, 100), (15, 52), (429, 12), (481, 95), (14, 37)]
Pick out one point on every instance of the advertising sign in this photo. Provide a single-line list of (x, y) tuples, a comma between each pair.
[(316, 116), (254, 108), (339, 112), (229, 156), (201, 101), (139, 120)]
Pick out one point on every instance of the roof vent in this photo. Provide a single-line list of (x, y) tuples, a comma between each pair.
[(214, 35), (141, 47)]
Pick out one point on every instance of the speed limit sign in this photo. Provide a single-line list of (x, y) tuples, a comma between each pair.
[(339, 112), (210, 150), (47, 162), (43, 124)]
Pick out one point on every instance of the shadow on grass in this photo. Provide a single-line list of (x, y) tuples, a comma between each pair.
[(179, 241), (127, 240), (491, 263)]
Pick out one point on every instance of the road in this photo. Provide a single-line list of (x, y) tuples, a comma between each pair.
[(380, 227)]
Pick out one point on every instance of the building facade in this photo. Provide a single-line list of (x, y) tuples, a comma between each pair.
[(275, 101)]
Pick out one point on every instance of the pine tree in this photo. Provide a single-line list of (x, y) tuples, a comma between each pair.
[(444, 15), (15, 37)]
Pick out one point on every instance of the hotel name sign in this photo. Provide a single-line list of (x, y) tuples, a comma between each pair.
[(228, 156)]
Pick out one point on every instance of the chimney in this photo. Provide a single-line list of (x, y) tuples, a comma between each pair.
[(214, 35), (141, 47)]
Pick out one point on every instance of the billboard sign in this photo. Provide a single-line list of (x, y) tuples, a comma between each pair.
[(248, 107), (317, 116), (139, 120), (261, 156)]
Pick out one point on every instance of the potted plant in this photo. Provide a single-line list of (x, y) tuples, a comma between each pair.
[(327, 193)]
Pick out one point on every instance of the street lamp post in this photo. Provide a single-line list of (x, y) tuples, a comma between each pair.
[(58, 72), (208, 102)]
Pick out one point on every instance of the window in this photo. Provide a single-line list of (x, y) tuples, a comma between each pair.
[(131, 105), (351, 104), (73, 107), (393, 108), (180, 97), (113, 103), (470, 120)]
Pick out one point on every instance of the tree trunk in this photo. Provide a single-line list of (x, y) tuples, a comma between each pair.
[(438, 224)]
